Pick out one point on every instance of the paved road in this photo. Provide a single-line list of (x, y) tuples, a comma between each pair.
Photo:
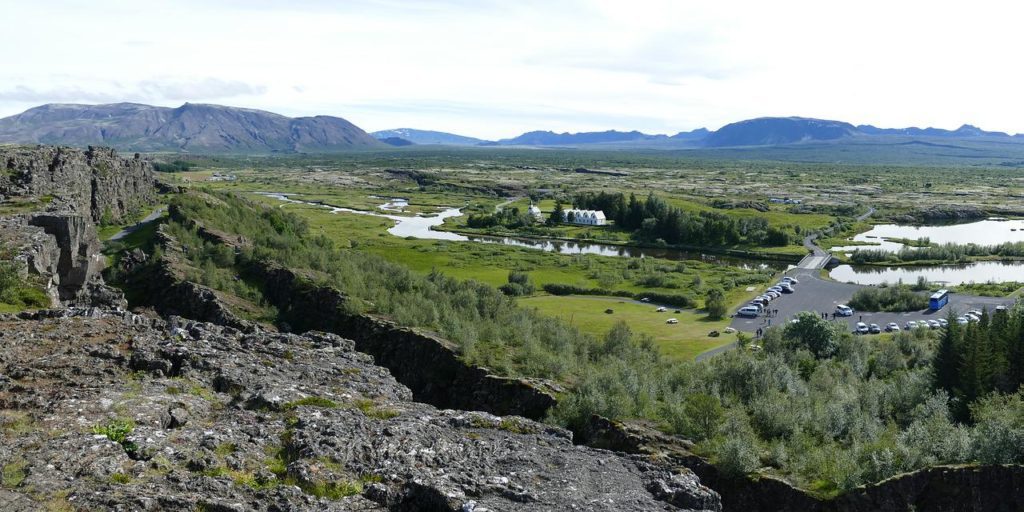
[(822, 295), (500, 206), (131, 229), (819, 257), (864, 216)]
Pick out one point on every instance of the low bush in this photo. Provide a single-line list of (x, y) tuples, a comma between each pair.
[(888, 298)]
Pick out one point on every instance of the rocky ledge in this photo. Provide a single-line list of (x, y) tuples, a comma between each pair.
[(106, 410)]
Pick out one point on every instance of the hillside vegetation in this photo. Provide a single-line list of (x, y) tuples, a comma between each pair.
[(826, 409)]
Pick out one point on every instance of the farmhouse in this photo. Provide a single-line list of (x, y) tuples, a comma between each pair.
[(584, 217)]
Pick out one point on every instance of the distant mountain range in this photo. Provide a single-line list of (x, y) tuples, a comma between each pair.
[(763, 131), (202, 128), (190, 127), (426, 137)]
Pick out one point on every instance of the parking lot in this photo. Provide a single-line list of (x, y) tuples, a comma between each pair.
[(819, 295)]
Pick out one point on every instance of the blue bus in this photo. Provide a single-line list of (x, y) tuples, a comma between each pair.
[(938, 299)]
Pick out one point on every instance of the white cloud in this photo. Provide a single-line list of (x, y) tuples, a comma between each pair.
[(495, 68)]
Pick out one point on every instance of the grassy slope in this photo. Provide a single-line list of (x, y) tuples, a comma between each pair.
[(681, 341)]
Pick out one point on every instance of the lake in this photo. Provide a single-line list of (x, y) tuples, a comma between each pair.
[(979, 272), (984, 232)]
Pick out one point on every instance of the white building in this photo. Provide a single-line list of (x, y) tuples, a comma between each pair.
[(536, 212), (584, 217)]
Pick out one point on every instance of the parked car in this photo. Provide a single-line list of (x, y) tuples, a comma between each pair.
[(934, 324), (844, 310), (862, 328), (671, 321), (787, 288), (910, 325), (943, 322), (776, 289), (874, 329), (660, 309), (1001, 307), (645, 299), (773, 294), (790, 280), (975, 312), (962, 320), (892, 327), (971, 317), (757, 306), (748, 311)]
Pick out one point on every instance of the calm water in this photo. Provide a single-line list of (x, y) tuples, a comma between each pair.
[(420, 226), (980, 272), (985, 232)]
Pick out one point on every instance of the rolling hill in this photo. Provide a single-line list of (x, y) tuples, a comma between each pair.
[(773, 131), (191, 128), (427, 137)]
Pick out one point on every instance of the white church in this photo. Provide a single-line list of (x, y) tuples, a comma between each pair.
[(584, 217)]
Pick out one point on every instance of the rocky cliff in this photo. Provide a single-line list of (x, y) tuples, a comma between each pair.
[(104, 410), (97, 182), (77, 189)]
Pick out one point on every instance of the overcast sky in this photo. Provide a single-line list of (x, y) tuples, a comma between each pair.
[(497, 68)]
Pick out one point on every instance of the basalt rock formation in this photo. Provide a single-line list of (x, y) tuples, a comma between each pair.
[(104, 410), (97, 182), (77, 189)]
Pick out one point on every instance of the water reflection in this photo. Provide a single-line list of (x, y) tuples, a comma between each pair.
[(979, 272), (986, 232)]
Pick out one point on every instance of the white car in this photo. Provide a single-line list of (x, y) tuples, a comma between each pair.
[(934, 324), (971, 317), (892, 327), (671, 321), (862, 328), (943, 322), (844, 310), (911, 325), (776, 289), (773, 294), (748, 311), (660, 309), (962, 320), (788, 279), (787, 288)]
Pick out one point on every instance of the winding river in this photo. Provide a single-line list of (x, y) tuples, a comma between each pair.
[(421, 226)]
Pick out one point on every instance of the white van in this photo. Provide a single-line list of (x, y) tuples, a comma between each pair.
[(748, 311)]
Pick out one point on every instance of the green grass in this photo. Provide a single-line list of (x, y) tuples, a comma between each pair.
[(14, 473), (684, 340)]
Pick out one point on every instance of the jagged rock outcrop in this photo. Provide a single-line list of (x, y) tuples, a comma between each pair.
[(97, 182), (104, 410), (64, 252), (77, 189)]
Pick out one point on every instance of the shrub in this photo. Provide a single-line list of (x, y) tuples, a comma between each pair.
[(888, 298), (714, 304)]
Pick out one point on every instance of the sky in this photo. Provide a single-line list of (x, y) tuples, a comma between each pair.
[(495, 69)]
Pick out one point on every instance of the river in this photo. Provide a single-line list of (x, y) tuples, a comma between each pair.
[(421, 226)]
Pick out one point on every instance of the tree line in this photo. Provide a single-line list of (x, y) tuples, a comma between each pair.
[(653, 220), (979, 358)]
